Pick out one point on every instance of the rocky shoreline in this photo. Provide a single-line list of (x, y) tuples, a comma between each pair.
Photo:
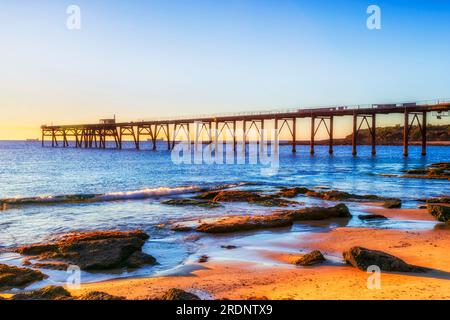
[(106, 250)]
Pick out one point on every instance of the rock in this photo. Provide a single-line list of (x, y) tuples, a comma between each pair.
[(317, 213), (192, 202), (292, 192), (178, 294), (443, 199), (244, 223), (336, 195), (97, 295), (204, 258), (47, 293), (15, 277), (434, 171), (48, 265), (371, 217), (229, 247), (440, 212), (442, 165), (417, 171), (139, 259), (258, 298), (363, 258), (311, 258), (245, 196), (93, 250), (392, 203), (182, 228)]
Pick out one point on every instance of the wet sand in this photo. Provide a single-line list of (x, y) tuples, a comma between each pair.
[(227, 279)]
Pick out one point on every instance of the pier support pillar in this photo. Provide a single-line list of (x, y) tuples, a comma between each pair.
[(244, 136), (294, 135), (406, 134), (168, 136), (313, 127), (234, 136), (330, 151), (355, 133), (374, 134), (424, 133)]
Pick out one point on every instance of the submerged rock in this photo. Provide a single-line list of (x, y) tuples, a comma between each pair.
[(244, 223), (336, 195), (192, 202), (443, 199), (15, 277), (363, 258), (439, 170), (204, 258), (251, 197), (47, 293), (317, 213), (392, 203), (229, 247), (440, 212), (292, 192), (97, 295), (372, 217), (93, 250), (178, 294), (312, 258)]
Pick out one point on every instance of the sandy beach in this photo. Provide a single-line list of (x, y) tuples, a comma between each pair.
[(332, 280)]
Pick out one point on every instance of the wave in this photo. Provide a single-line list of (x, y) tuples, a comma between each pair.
[(146, 193), (112, 196)]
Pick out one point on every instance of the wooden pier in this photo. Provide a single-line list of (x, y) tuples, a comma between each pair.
[(96, 135)]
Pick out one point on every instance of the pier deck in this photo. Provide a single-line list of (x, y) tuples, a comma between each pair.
[(96, 135)]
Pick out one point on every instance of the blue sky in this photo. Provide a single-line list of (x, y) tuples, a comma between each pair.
[(143, 59)]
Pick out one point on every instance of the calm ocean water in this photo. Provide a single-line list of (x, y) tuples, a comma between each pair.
[(139, 180)]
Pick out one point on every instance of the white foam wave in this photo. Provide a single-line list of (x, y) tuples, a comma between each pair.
[(145, 193)]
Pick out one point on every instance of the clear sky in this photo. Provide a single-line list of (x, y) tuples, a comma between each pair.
[(144, 59)]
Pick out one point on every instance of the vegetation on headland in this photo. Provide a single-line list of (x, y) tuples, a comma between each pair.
[(393, 136)]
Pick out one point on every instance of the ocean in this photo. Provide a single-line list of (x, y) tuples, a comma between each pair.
[(129, 185)]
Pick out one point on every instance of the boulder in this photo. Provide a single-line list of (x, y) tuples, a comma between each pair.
[(93, 250), (15, 277), (138, 259), (392, 203), (292, 192), (371, 217), (229, 247), (244, 223), (47, 293), (434, 171), (317, 213), (97, 295), (363, 258), (443, 199), (204, 258), (245, 196), (312, 258), (440, 212), (178, 294), (336, 195)]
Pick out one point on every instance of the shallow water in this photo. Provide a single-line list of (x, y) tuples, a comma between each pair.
[(135, 182)]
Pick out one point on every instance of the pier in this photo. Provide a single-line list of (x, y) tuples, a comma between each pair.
[(364, 116)]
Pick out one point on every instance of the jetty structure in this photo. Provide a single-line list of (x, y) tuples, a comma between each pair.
[(364, 116)]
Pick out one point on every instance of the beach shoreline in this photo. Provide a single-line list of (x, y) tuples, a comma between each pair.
[(332, 280)]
